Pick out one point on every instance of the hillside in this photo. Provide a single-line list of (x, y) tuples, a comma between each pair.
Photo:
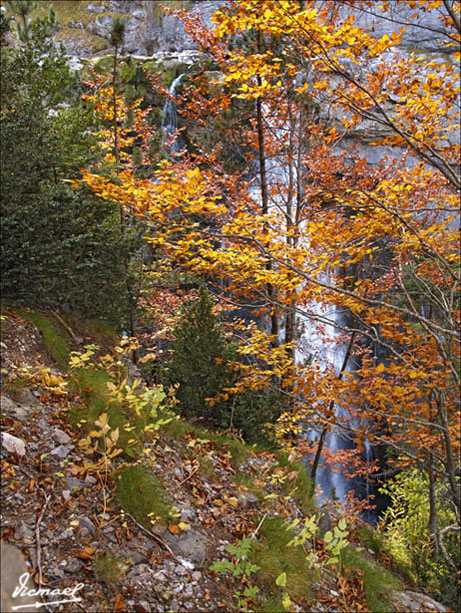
[(140, 524)]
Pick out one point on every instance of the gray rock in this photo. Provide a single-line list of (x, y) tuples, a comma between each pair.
[(76, 24), (137, 557), (86, 523), (190, 545), (61, 452), (196, 575), (187, 513), (11, 408), (13, 566), (415, 602), (248, 499), (73, 566), (95, 8), (102, 26), (73, 484), (12, 444), (26, 397), (61, 437)]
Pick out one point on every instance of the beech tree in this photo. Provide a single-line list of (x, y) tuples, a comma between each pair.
[(330, 233)]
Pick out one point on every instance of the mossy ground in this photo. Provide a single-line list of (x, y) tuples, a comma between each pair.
[(377, 580), (271, 553), (55, 338), (108, 568), (141, 494)]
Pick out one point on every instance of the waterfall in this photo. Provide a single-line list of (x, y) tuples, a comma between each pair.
[(170, 120)]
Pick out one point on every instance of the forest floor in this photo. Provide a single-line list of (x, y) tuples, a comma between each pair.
[(142, 535)]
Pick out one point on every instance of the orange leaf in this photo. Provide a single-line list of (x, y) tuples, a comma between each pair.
[(174, 528)]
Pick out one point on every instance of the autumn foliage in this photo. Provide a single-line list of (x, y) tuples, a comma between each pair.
[(303, 232)]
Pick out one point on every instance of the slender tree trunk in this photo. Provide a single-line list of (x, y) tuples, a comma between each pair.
[(432, 508), (271, 291), (129, 289)]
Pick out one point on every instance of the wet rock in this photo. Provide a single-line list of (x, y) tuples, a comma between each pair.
[(12, 444), (61, 437), (13, 566)]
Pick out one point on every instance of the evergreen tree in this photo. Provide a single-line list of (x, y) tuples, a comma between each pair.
[(58, 245), (200, 360)]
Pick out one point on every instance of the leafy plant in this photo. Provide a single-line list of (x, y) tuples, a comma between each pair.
[(239, 566)]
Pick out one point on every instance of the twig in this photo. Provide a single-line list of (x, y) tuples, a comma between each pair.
[(63, 323), (259, 526), (191, 474), (37, 538), (155, 537)]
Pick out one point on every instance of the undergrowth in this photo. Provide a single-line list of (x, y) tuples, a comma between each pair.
[(141, 494)]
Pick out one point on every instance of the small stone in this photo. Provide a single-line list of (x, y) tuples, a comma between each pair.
[(66, 494), (137, 558), (90, 480), (248, 499), (78, 340), (60, 436), (180, 570), (61, 452), (85, 522), (160, 576), (12, 444), (196, 575), (73, 565), (73, 484)]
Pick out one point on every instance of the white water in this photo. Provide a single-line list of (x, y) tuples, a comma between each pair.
[(175, 142)]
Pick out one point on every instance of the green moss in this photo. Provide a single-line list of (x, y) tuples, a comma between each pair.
[(300, 487), (54, 337), (142, 495), (108, 568), (271, 553), (378, 582), (244, 480)]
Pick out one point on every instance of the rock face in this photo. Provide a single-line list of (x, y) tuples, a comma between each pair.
[(148, 29), (13, 567)]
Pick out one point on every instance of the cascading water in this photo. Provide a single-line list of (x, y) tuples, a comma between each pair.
[(323, 346), (175, 141)]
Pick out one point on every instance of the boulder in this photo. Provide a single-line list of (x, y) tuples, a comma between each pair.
[(13, 409), (12, 444), (14, 567), (415, 602)]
